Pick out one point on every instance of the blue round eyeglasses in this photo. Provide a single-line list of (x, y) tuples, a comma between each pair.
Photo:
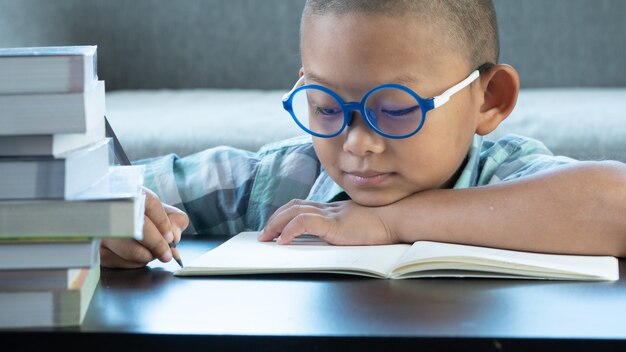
[(392, 110)]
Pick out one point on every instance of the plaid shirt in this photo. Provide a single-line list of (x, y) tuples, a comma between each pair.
[(226, 190)]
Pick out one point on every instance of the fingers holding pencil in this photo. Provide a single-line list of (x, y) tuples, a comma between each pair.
[(163, 228), (176, 254), (161, 222), (179, 221)]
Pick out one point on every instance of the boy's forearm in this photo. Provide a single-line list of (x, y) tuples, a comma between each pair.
[(579, 209)]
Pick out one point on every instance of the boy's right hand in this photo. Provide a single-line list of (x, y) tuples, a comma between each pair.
[(163, 224)]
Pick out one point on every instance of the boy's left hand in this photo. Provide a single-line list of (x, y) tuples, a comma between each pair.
[(339, 223)]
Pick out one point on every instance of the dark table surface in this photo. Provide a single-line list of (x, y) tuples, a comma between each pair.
[(150, 308)]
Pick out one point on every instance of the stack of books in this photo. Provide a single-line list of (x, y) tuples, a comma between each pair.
[(61, 192)]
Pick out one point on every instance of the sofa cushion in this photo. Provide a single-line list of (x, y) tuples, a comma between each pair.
[(150, 123), (581, 123)]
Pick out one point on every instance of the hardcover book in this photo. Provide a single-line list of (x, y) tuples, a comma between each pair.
[(25, 308), (112, 207), (41, 279), (244, 254), (64, 176), (52, 113), (21, 254), (49, 69), (50, 145)]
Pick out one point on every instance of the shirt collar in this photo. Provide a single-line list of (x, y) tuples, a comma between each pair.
[(469, 175), (325, 190)]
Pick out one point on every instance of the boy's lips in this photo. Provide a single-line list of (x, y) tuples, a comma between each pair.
[(367, 178)]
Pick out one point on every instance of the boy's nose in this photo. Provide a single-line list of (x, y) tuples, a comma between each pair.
[(360, 138)]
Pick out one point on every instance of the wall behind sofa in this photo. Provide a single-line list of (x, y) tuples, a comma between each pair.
[(254, 44)]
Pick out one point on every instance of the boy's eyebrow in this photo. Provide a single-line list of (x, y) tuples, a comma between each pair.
[(315, 78), (406, 80), (403, 79)]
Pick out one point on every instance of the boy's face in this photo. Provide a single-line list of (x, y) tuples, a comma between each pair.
[(354, 53)]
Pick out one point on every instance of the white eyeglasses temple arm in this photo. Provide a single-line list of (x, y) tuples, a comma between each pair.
[(445, 96), (295, 86)]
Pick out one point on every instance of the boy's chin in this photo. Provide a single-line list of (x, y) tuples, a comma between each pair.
[(375, 199)]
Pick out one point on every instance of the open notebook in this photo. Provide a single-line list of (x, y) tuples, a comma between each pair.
[(243, 254)]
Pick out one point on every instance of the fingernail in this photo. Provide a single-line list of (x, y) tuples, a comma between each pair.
[(169, 236), (167, 256)]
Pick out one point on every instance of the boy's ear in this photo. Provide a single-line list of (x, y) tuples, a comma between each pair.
[(301, 72), (500, 86)]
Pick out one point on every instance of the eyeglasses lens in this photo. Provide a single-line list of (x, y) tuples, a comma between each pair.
[(318, 111), (391, 111)]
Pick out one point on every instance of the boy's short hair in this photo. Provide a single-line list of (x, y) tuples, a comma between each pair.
[(469, 26)]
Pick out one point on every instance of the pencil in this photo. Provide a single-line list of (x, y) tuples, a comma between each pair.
[(121, 157), (175, 254)]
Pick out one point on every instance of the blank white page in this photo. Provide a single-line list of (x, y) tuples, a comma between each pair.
[(455, 255), (244, 254)]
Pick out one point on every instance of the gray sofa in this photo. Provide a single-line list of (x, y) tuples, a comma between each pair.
[(182, 76)]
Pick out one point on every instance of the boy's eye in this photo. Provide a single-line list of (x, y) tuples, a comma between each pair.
[(327, 111), (400, 112)]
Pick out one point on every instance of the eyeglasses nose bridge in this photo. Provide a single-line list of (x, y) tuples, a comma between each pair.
[(349, 110)]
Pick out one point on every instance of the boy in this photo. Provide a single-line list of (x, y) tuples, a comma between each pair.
[(397, 166)]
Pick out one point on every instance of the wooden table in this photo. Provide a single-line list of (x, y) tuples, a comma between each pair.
[(150, 309)]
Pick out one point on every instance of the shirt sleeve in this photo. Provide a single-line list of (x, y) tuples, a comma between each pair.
[(515, 156), (215, 186)]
